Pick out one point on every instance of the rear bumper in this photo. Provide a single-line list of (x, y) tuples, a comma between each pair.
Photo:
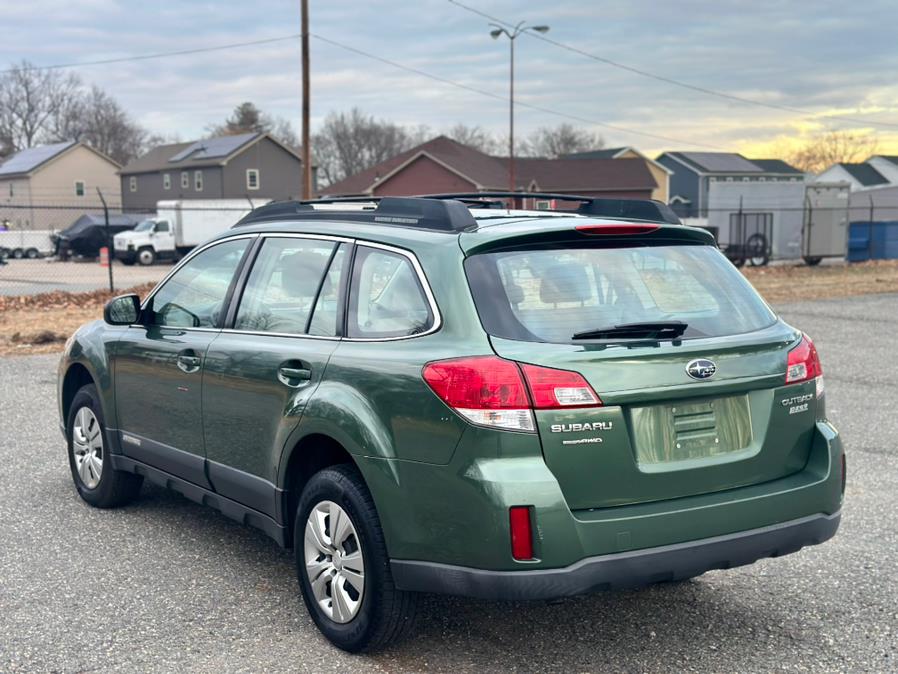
[(620, 570)]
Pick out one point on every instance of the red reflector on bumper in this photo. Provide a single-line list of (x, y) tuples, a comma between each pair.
[(521, 532)]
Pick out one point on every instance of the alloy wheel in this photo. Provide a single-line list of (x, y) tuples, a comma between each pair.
[(335, 565), (87, 447)]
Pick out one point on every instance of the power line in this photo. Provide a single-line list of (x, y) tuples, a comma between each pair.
[(670, 80), (500, 97), (157, 55)]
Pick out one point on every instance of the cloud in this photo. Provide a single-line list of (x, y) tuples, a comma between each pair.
[(836, 60)]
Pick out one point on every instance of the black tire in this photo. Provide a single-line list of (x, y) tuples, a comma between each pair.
[(127, 261), (4, 253), (812, 261), (115, 488), (146, 256), (32, 253), (386, 615), (18, 253)]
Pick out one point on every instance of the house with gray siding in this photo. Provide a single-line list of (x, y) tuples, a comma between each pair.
[(866, 175), (245, 166), (693, 173)]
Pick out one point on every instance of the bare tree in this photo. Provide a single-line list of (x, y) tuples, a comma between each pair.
[(352, 142), (562, 139), (476, 137), (832, 147), (29, 100), (247, 118), (97, 119)]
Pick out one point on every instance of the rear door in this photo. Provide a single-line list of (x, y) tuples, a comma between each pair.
[(680, 417), (263, 369)]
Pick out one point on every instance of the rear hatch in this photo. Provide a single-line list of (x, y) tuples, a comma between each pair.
[(703, 411)]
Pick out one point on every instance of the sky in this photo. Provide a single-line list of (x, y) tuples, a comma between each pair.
[(827, 58)]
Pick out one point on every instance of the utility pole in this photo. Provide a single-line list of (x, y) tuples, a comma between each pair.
[(512, 35), (306, 140)]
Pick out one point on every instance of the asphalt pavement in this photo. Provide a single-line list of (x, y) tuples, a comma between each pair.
[(166, 585)]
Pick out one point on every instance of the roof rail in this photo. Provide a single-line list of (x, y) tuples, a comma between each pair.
[(447, 215), (623, 209)]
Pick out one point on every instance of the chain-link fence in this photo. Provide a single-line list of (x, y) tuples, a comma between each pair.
[(61, 245), (51, 246)]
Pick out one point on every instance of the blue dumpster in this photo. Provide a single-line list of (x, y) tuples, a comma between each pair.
[(873, 241)]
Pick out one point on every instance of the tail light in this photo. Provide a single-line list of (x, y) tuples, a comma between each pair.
[(803, 362), (521, 532), (491, 391), (616, 230)]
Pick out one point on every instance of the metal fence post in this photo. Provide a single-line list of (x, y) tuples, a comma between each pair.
[(108, 239)]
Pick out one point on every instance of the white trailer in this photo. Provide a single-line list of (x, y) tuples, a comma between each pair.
[(26, 243), (178, 227)]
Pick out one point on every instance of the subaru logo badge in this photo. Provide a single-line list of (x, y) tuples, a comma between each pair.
[(701, 368)]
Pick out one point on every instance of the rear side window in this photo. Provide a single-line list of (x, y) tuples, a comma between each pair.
[(284, 284), (548, 295), (386, 298)]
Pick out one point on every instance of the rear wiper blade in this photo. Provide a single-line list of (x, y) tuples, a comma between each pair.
[(647, 330)]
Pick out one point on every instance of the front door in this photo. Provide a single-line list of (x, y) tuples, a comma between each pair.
[(260, 374), (159, 363)]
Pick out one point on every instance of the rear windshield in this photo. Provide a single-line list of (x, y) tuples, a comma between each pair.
[(548, 295)]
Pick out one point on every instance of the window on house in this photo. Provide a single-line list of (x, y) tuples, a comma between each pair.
[(730, 179), (543, 205), (132, 183), (198, 181), (252, 179), (763, 179), (79, 188), (166, 181), (185, 180), (745, 179)]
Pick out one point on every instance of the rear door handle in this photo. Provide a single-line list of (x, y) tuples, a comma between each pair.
[(293, 376)]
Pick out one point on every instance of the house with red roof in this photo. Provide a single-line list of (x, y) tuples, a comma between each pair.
[(443, 165)]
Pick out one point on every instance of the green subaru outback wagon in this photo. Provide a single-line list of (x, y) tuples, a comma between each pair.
[(443, 395)]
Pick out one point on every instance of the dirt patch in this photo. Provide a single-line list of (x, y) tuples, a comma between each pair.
[(794, 283), (42, 323)]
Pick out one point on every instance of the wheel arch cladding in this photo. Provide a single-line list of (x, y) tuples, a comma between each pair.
[(310, 454), (76, 377)]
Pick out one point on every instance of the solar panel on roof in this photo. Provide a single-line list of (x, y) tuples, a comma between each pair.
[(722, 162), (187, 151), (26, 160), (212, 148)]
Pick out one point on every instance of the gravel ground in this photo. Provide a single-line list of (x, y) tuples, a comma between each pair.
[(166, 585)]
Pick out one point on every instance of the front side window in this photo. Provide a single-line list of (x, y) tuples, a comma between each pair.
[(162, 227), (252, 179), (79, 188), (194, 296), (198, 181), (549, 295), (286, 280), (386, 298)]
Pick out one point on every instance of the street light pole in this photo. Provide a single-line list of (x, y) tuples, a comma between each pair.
[(512, 35)]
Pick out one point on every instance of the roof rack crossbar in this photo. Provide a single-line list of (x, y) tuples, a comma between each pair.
[(624, 209), (433, 214)]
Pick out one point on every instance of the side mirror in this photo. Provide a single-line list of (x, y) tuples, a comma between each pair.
[(122, 310)]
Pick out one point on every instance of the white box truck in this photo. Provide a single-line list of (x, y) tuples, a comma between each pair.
[(179, 226)]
